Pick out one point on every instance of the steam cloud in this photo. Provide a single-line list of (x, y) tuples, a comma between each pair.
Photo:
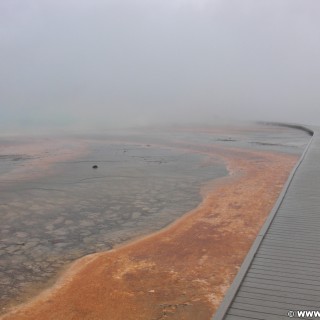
[(138, 62)]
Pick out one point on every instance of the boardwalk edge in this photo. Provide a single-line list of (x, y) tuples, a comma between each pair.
[(232, 291)]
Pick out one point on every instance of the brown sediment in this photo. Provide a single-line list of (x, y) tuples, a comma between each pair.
[(183, 271)]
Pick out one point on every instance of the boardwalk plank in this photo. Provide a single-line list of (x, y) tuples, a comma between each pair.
[(263, 309), (255, 315), (294, 276), (282, 287), (268, 300), (281, 293), (283, 277)]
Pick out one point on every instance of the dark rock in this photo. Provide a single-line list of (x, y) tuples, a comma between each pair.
[(95, 167)]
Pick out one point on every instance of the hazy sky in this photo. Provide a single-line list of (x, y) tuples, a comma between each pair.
[(110, 62)]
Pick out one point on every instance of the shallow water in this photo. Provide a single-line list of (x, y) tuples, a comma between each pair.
[(139, 187)]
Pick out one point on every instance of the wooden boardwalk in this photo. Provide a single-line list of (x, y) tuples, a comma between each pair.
[(282, 270)]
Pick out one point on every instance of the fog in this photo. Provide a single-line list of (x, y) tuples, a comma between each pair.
[(110, 63)]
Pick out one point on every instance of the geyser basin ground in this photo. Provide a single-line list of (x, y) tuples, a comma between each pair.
[(55, 209)]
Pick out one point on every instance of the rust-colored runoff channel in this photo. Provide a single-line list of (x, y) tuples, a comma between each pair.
[(183, 271)]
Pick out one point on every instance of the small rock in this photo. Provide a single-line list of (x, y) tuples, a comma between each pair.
[(95, 167)]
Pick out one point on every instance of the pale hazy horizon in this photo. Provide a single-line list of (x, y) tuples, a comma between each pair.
[(114, 63)]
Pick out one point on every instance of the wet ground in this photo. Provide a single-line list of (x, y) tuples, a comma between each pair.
[(55, 213)]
